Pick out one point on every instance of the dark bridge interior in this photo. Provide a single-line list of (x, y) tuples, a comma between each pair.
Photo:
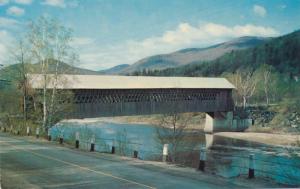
[(120, 102)]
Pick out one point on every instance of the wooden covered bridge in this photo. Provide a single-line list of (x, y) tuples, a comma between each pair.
[(102, 96)]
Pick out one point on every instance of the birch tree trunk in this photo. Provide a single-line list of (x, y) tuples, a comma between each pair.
[(24, 91), (44, 96), (267, 74), (61, 51), (245, 85), (244, 102), (53, 93)]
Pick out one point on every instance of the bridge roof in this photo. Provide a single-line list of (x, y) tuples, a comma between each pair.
[(128, 82)]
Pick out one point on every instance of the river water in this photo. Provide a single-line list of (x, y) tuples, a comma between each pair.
[(225, 157)]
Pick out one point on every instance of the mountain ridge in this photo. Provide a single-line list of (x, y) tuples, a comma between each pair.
[(189, 55), (114, 70), (282, 53)]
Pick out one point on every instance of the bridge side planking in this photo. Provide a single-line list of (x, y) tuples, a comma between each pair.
[(91, 103)]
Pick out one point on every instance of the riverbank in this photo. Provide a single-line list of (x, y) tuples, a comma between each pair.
[(265, 138), (196, 121)]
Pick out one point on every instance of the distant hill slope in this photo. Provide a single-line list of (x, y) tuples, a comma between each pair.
[(283, 53), (65, 68), (186, 56), (13, 71), (114, 70)]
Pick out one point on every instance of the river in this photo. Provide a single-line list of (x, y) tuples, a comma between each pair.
[(225, 157)]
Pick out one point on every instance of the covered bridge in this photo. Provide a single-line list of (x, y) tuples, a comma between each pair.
[(100, 96)]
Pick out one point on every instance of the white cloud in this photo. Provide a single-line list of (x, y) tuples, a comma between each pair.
[(15, 11), (61, 3), (24, 2), (94, 56), (259, 10), (6, 40), (8, 23), (78, 41), (55, 3), (3, 2)]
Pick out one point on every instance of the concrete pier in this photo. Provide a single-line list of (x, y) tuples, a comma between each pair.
[(225, 122)]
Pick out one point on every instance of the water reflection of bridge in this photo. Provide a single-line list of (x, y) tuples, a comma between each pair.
[(100, 96)]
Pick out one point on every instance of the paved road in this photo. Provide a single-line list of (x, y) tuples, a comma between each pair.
[(29, 163)]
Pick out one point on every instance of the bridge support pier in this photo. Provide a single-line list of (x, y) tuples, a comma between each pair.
[(209, 140), (218, 122)]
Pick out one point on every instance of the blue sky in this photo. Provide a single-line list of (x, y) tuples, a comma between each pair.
[(112, 32)]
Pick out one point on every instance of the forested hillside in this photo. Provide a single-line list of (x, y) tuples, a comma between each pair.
[(282, 53)]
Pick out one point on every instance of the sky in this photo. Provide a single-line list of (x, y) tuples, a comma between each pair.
[(112, 32)]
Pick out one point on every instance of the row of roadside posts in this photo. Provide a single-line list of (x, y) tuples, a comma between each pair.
[(202, 158), (92, 148), (37, 132)]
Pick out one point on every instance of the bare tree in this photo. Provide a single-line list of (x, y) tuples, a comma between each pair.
[(234, 79), (62, 52), (50, 44), (171, 131), (122, 142), (245, 84), (267, 82), (39, 38), (20, 56)]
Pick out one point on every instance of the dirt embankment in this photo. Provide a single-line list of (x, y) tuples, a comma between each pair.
[(265, 138), (195, 120)]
